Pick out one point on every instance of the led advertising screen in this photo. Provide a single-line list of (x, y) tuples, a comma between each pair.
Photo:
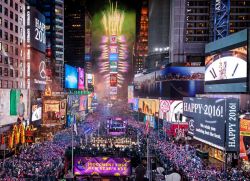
[(80, 78), (71, 77), (174, 82), (37, 110), (9, 102), (113, 80), (151, 119), (102, 166), (83, 103), (35, 24), (172, 111), (135, 104), (149, 106), (245, 139), (130, 93), (226, 71), (212, 118), (37, 70)]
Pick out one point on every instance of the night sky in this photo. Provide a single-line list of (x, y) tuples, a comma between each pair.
[(97, 5)]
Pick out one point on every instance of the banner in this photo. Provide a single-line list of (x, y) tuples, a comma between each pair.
[(172, 110), (149, 106), (245, 139), (102, 166), (83, 102), (210, 121), (130, 93), (135, 104)]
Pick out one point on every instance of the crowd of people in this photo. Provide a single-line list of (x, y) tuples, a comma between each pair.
[(182, 158), (46, 160)]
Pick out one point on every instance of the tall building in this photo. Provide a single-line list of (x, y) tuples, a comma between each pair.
[(74, 32), (158, 34), (12, 38), (193, 25), (54, 21), (88, 64), (141, 45)]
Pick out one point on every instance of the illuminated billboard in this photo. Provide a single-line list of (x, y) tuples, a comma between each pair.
[(102, 166), (35, 25), (149, 106), (113, 36), (130, 93), (226, 71), (244, 139), (80, 78), (71, 77), (226, 62)]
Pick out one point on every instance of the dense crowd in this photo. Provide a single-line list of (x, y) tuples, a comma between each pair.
[(182, 158)]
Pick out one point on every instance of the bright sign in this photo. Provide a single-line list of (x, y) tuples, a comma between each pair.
[(102, 166)]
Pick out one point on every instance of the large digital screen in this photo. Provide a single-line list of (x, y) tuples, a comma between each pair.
[(35, 24), (212, 118), (102, 166), (172, 111), (80, 78), (130, 93), (226, 71), (149, 106), (174, 82), (71, 77), (83, 103), (37, 70), (151, 119), (113, 79), (135, 104), (244, 139)]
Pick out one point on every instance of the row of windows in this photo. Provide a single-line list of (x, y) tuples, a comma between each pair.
[(10, 26), (11, 14), (8, 72), (198, 3), (14, 5), (197, 39), (10, 61), (11, 38), (10, 84), (9, 48), (239, 3)]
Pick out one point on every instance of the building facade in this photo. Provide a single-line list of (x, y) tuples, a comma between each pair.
[(141, 45), (88, 64), (74, 32), (12, 40), (54, 22)]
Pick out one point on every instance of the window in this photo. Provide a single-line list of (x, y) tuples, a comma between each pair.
[(0, 45), (16, 63), (6, 60), (16, 6), (11, 14), (16, 28), (11, 72), (17, 85), (21, 31), (11, 49), (1, 8), (11, 26), (10, 84), (11, 38), (5, 84), (21, 20), (11, 61), (21, 9), (16, 18), (1, 22), (5, 35), (6, 1), (1, 33), (5, 48), (6, 12), (1, 71), (16, 51), (6, 23), (6, 72), (11, 3), (16, 40), (16, 73)]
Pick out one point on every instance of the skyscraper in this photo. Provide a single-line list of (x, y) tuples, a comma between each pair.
[(88, 64), (141, 45), (12, 38), (74, 32), (54, 22)]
